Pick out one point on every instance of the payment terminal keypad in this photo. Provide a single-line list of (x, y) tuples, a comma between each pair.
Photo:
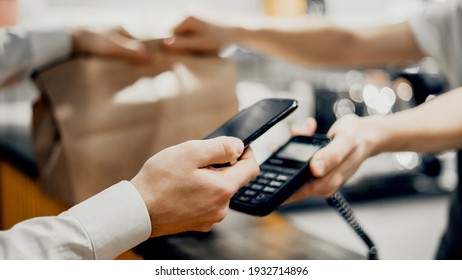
[(268, 182)]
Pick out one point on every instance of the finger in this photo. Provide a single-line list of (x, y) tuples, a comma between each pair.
[(320, 187), (310, 125), (242, 172), (130, 49), (330, 156), (324, 186), (308, 128), (329, 184), (218, 150), (124, 32), (189, 43), (304, 192), (187, 25), (175, 43)]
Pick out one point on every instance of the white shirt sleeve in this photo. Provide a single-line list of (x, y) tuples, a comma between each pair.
[(102, 227), (22, 51), (437, 31)]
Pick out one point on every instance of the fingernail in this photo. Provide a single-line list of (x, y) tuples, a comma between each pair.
[(169, 41), (319, 167)]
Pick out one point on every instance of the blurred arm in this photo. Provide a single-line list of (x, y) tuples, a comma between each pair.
[(21, 51), (306, 41), (431, 127), (314, 41)]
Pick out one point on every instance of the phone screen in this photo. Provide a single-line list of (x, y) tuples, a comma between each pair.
[(298, 151), (255, 120)]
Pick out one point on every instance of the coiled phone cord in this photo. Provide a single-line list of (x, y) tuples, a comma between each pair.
[(342, 206)]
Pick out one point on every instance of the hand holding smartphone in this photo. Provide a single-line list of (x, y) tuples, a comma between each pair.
[(281, 174), (286, 170)]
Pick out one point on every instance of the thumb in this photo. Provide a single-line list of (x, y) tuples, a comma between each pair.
[(130, 49), (217, 151), (330, 156), (182, 43), (308, 128)]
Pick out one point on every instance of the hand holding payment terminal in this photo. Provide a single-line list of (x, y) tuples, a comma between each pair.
[(285, 171)]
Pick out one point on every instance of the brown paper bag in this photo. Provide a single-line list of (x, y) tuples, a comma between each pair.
[(99, 119)]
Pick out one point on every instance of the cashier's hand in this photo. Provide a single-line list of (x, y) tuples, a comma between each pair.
[(198, 36), (353, 141), (184, 193), (114, 42)]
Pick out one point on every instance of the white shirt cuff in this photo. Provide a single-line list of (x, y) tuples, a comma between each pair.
[(115, 220), (49, 46)]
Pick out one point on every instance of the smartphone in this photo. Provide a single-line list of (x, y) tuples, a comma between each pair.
[(285, 171), (251, 122)]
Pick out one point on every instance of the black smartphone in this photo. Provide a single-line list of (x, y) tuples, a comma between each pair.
[(251, 122), (285, 171)]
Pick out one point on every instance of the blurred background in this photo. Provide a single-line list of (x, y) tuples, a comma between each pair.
[(151, 17), (399, 198)]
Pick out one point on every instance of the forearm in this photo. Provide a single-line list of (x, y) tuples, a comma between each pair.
[(431, 127), (58, 237), (314, 46), (101, 227), (316, 42)]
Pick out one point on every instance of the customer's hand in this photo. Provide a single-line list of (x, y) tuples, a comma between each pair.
[(354, 139), (198, 36), (113, 42), (184, 193)]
